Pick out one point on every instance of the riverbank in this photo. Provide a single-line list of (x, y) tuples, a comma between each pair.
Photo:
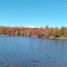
[(59, 38)]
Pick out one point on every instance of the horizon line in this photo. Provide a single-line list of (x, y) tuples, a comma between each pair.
[(34, 26)]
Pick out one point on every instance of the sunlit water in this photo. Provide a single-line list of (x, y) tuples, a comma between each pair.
[(32, 52)]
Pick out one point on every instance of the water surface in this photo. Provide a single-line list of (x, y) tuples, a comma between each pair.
[(32, 52)]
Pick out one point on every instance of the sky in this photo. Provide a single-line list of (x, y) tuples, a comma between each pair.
[(33, 13)]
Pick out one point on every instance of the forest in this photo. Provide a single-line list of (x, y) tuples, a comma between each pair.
[(46, 32)]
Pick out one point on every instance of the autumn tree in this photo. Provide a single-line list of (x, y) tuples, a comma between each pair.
[(62, 31), (17, 33), (56, 33)]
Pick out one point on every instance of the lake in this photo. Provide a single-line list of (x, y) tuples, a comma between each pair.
[(32, 52)]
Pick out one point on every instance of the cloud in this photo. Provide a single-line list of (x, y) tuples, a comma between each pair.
[(30, 26)]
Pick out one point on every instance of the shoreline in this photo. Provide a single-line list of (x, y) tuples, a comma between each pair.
[(60, 38)]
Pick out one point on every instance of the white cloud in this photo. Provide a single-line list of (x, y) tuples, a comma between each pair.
[(30, 26)]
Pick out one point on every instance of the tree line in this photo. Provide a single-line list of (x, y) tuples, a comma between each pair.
[(46, 32)]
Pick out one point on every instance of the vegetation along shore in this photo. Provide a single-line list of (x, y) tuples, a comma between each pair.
[(52, 33)]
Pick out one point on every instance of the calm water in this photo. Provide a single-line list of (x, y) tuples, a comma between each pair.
[(32, 52)]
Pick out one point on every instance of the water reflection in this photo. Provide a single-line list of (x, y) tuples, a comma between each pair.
[(32, 52)]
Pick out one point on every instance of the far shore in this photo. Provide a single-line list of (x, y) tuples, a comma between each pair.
[(58, 38)]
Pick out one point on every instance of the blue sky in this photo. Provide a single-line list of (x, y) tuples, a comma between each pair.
[(36, 13)]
